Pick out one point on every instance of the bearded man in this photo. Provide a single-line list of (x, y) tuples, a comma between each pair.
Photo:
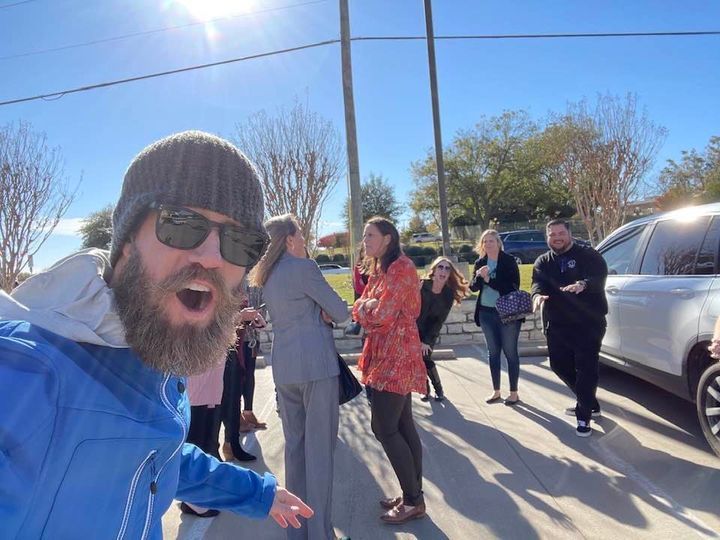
[(95, 351), (568, 284)]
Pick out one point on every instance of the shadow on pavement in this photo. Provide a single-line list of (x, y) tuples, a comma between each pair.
[(611, 494)]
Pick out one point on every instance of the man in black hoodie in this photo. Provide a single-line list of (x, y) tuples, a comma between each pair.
[(568, 283)]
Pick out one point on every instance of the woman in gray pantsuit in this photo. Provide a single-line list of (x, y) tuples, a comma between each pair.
[(301, 305)]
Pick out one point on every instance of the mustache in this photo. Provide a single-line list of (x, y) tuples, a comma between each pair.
[(179, 280)]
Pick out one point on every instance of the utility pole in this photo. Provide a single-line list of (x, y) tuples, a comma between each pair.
[(442, 194), (356, 217)]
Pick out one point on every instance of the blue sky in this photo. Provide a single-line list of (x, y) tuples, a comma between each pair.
[(677, 79)]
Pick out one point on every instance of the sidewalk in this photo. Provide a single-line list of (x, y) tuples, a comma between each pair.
[(492, 471)]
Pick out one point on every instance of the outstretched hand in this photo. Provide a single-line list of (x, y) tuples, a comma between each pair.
[(286, 508), (538, 301)]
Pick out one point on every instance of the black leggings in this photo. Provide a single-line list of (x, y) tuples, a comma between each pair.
[(205, 428), (231, 399), (393, 425), (248, 386)]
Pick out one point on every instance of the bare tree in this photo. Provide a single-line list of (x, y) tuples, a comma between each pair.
[(602, 154), (300, 158), (34, 195)]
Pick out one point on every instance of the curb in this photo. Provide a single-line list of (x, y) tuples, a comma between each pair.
[(528, 348)]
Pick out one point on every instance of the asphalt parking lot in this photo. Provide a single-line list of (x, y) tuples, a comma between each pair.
[(492, 471)]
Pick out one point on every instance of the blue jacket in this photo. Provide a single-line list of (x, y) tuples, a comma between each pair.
[(92, 444)]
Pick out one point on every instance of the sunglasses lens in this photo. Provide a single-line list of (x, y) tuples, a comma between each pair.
[(242, 247), (181, 229)]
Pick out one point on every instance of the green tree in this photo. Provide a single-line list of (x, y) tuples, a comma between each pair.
[(96, 229), (378, 199), (695, 179), (494, 171)]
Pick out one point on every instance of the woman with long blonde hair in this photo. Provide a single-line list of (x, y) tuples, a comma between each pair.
[(441, 287), (496, 274), (304, 366)]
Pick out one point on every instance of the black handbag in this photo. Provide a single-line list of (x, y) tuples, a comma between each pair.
[(349, 386)]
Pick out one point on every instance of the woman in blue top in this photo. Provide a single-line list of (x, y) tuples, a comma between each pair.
[(496, 274)]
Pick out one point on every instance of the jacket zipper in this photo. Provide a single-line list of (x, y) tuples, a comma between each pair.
[(151, 501), (156, 475), (131, 494)]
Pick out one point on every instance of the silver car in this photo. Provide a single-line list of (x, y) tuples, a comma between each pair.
[(663, 291)]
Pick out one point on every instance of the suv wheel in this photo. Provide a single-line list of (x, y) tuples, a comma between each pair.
[(708, 405)]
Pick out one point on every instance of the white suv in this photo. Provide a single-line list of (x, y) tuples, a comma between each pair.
[(663, 291), (419, 238)]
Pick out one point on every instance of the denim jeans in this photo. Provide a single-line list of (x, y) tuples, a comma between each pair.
[(499, 337)]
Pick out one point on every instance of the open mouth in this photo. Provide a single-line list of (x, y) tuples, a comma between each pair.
[(195, 297)]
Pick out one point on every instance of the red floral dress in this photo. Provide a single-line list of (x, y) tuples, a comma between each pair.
[(391, 359)]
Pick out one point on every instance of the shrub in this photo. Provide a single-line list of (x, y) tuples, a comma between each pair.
[(465, 248), (429, 252), (322, 258), (338, 258), (419, 260), (412, 251)]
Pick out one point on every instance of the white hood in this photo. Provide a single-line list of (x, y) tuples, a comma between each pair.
[(71, 299)]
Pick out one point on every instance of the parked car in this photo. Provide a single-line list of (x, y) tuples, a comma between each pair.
[(419, 238), (663, 291), (525, 245), (528, 244), (330, 268)]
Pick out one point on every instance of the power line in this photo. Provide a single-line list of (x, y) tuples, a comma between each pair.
[(543, 36), (58, 95), (4, 6), (149, 32)]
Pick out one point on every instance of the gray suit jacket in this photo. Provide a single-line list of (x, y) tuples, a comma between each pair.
[(303, 348)]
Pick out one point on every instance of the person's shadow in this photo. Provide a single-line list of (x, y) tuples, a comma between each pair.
[(613, 494)]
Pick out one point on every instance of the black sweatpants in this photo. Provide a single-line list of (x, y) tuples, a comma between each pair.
[(574, 357), (393, 425)]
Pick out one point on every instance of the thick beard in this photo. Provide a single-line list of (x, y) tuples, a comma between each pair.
[(181, 350)]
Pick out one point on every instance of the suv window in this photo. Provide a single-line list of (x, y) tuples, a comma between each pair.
[(673, 248), (537, 236), (620, 252), (707, 258)]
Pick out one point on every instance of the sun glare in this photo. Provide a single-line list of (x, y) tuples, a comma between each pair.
[(204, 10)]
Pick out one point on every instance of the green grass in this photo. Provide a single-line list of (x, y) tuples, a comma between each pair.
[(342, 283)]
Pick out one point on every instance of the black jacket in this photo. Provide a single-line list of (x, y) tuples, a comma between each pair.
[(433, 311), (553, 271), (506, 280)]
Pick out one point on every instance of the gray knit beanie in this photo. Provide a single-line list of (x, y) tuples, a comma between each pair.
[(192, 168)]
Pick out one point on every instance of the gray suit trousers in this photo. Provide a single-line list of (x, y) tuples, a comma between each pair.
[(310, 414)]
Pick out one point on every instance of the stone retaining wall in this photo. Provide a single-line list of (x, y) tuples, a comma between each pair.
[(459, 328)]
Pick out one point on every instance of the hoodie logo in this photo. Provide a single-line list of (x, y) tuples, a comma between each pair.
[(571, 263)]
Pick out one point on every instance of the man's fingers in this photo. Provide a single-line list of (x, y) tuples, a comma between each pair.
[(303, 509), (292, 518), (278, 517)]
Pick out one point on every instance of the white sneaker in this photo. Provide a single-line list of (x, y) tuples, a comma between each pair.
[(583, 429)]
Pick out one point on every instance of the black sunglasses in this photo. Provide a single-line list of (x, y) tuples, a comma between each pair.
[(443, 267), (181, 228)]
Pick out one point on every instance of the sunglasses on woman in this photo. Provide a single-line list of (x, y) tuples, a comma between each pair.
[(181, 228), (443, 267)]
